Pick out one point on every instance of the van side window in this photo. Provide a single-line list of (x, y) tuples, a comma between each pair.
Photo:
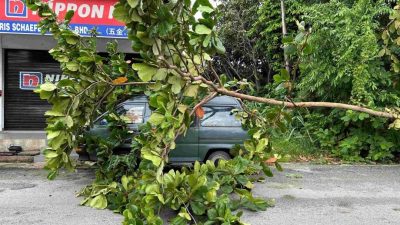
[(219, 116), (132, 113)]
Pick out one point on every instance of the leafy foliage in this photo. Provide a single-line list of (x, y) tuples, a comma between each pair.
[(242, 59), (348, 68), (175, 47)]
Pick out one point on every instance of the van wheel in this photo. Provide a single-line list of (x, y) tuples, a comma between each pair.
[(216, 156)]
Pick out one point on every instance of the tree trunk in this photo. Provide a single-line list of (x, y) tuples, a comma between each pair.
[(284, 33)]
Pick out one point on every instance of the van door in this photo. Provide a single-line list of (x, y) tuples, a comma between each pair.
[(219, 129), (187, 147)]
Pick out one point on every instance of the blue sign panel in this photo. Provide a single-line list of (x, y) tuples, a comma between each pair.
[(16, 18)]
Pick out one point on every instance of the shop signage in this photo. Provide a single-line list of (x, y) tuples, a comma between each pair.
[(30, 80), (17, 19)]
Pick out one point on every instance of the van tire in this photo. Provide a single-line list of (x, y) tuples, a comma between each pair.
[(218, 155)]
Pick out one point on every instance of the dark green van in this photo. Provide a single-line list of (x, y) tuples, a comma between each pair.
[(209, 138)]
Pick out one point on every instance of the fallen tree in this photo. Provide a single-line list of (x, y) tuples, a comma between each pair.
[(175, 70)]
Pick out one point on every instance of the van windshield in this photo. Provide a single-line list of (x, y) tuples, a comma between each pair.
[(219, 116)]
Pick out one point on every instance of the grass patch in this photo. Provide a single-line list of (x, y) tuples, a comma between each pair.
[(297, 148)]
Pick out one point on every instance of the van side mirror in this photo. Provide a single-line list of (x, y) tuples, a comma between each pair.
[(103, 122)]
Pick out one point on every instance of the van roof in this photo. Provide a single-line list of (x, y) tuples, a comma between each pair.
[(223, 100), (217, 101)]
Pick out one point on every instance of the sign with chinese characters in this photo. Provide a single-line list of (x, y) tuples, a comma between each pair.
[(30, 80), (16, 18)]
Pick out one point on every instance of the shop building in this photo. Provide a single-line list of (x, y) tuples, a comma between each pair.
[(25, 62)]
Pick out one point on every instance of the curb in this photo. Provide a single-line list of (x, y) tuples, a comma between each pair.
[(16, 159), (9, 165)]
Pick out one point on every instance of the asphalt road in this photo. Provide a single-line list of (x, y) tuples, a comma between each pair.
[(304, 194)]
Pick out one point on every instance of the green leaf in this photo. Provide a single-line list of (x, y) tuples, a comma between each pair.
[(52, 175), (161, 74), (73, 66), (285, 75), (261, 145), (267, 171), (211, 196), (48, 86), (53, 113), (121, 14), (155, 159), (198, 208), (199, 3), (191, 91), (307, 49), (289, 49), (69, 15), (206, 41), (382, 52), (72, 40), (69, 121), (52, 134), (182, 108), (145, 72), (299, 37), (156, 119), (176, 84), (99, 202), (287, 39), (45, 94), (65, 157), (206, 9), (278, 167), (124, 182), (50, 154), (202, 29), (184, 214), (133, 3), (178, 221), (135, 16), (212, 213), (66, 83), (220, 47), (249, 145)]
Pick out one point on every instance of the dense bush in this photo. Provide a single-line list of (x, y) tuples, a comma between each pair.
[(335, 55), (344, 61)]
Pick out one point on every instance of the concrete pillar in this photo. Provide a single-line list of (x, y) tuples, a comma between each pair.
[(1, 84)]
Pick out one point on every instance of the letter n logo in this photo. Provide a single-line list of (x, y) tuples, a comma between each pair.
[(30, 80), (16, 8)]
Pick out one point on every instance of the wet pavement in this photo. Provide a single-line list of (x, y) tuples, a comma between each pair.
[(342, 195), (304, 194), (27, 197)]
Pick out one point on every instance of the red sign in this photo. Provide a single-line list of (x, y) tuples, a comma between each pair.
[(30, 80), (16, 18)]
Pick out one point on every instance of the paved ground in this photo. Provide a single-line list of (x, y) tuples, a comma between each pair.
[(27, 198), (305, 194)]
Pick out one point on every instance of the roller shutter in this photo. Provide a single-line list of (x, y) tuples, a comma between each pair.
[(24, 69)]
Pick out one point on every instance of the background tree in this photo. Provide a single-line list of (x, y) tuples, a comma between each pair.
[(243, 60), (348, 65)]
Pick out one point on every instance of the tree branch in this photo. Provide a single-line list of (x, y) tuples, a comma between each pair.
[(270, 101), (130, 83), (307, 104), (204, 101)]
